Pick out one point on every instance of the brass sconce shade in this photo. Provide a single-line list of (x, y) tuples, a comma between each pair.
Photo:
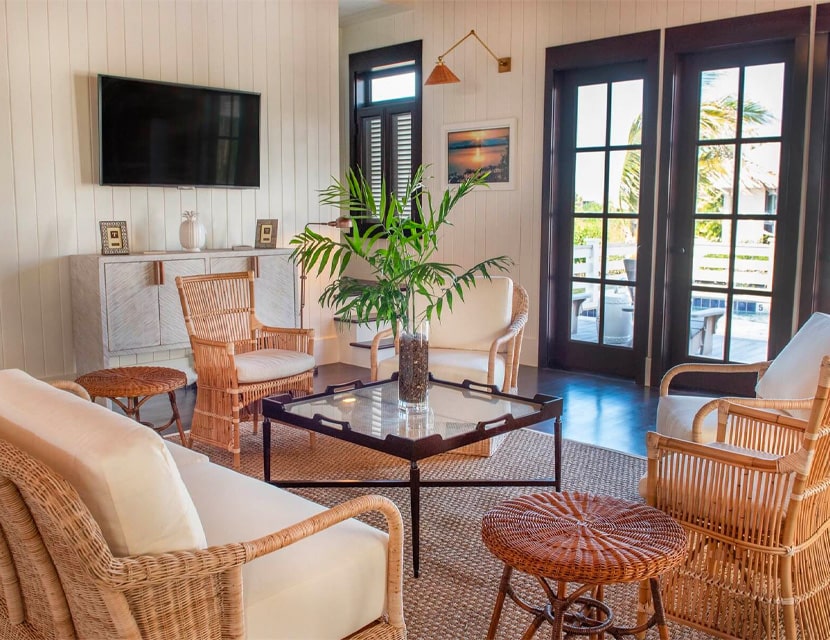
[(441, 74)]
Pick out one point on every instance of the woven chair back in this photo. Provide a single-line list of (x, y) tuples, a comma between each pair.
[(218, 306)]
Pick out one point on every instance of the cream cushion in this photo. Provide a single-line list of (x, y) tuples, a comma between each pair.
[(474, 323), (675, 414), (269, 364), (122, 470), (183, 456), (453, 365), (794, 372), (325, 586)]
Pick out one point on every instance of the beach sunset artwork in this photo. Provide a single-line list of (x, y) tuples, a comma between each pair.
[(486, 149)]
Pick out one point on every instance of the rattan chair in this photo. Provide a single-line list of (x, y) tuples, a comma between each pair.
[(238, 359), (462, 346), (756, 505), (58, 578)]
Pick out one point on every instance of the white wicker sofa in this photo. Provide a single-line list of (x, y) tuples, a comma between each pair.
[(110, 531)]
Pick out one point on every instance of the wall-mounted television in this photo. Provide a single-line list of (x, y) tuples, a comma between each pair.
[(164, 134)]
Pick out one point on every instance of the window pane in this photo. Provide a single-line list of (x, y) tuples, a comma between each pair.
[(718, 104), (589, 183), (706, 325), (749, 337), (710, 254), (584, 316), (763, 100), (587, 247), (591, 109), (622, 248), (624, 181), (619, 317), (393, 87), (626, 112), (759, 178), (715, 171), (754, 255)]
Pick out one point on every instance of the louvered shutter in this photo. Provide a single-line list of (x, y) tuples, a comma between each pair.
[(372, 148), (402, 154)]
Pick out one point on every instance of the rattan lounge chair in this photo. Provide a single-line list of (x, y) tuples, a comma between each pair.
[(238, 359), (58, 578), (756, 505)]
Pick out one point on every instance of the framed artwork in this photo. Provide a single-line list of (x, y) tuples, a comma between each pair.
[(490, 145), (114, 237), (266, 234)]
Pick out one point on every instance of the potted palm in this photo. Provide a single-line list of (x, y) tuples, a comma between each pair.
[(407, 287)]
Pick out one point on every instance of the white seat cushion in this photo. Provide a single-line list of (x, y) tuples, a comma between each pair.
[(794, 372), (122, 470), (453, 365), (326, 586), (183, 456), (270, 364), (675, 414)]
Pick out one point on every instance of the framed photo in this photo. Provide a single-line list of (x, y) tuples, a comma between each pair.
[(266, 234), (114, 237), (490, 145)]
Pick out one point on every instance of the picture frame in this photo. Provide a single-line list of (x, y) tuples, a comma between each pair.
[(266, 233), (114, 240), (489, 144)]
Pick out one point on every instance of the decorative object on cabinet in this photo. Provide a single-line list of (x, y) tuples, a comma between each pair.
[(401, 266), (266, 233), (472, 147), (192, 233), (114, 237), (441, 73)]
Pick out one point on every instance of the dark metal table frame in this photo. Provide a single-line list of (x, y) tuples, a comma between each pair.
[(279, 409)]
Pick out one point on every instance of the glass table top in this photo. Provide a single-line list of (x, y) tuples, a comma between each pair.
[(373, 410)]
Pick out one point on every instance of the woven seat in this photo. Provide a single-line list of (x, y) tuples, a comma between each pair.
[(586, 539), (219, 312), (137, 385)]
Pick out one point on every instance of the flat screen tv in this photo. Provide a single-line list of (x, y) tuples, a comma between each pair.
[(159, 133)]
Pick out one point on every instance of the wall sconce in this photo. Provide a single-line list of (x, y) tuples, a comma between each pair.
[(441, 74), (342, 223)]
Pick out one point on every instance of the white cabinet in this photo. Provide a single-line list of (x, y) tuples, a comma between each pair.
[(125, 305)]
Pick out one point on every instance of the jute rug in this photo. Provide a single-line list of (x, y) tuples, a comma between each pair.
[(453, 597)]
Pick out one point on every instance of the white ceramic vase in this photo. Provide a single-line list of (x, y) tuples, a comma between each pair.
[(192, 234)]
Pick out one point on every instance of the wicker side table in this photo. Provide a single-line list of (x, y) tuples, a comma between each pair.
[(137, 385), (585, 539)]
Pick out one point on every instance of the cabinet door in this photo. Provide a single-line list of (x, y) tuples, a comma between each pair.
[(173, 331), (231, 264), (132, 305), (274, 290)]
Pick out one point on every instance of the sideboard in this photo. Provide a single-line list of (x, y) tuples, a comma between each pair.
[(123, 305)]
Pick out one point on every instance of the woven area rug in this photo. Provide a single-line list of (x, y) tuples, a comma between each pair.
[(454, 595)]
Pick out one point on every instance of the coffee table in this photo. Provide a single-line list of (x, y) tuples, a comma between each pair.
[(368, 415)]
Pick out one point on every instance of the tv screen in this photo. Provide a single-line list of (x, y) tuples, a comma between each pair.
[(158, 133)]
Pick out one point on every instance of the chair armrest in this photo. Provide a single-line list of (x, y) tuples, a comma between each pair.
[(72, 387), (758, 403), (373, 354), (285, 338), (702, 367), (134, 572), (214, 362)]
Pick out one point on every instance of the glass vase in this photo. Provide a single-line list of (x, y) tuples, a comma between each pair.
[(413, 367)]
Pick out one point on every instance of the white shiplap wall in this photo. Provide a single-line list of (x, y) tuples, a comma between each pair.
[(50, 204), (491, 223)]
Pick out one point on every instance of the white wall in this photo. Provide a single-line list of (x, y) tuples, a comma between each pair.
[(50, 204), (491, 223)]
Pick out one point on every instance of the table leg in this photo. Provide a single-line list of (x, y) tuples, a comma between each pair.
[(415, 506), (504, 585), (266, 449), (557, 452), (176, 417)]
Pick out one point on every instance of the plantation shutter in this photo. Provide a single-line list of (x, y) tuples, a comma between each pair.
[(372, 161), (402, 154)]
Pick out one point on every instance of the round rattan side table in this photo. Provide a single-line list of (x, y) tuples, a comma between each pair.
[(137, 385), (586, 539)]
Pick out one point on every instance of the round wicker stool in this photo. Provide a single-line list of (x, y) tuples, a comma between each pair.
[(137, 385), (586, 539)]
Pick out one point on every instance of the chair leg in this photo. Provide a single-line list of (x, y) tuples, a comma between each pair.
[(176, 417)]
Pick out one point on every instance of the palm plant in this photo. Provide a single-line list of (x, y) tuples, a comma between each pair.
[(398, 249)]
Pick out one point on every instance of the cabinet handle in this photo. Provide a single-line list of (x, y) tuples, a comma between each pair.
[(159, 272), (255, 261)]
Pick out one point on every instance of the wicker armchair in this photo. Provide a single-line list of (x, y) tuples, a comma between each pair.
[(58, 578), (756, 505), (238, 359), (480, 340)]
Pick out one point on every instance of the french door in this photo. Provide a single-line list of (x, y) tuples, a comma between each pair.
[(733, 224), (604, 180)]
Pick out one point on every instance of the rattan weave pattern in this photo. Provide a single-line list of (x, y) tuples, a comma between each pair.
[(132, 382), (583, 537)]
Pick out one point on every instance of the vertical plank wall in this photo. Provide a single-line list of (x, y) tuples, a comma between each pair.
[(492, 223), (50, 54)]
